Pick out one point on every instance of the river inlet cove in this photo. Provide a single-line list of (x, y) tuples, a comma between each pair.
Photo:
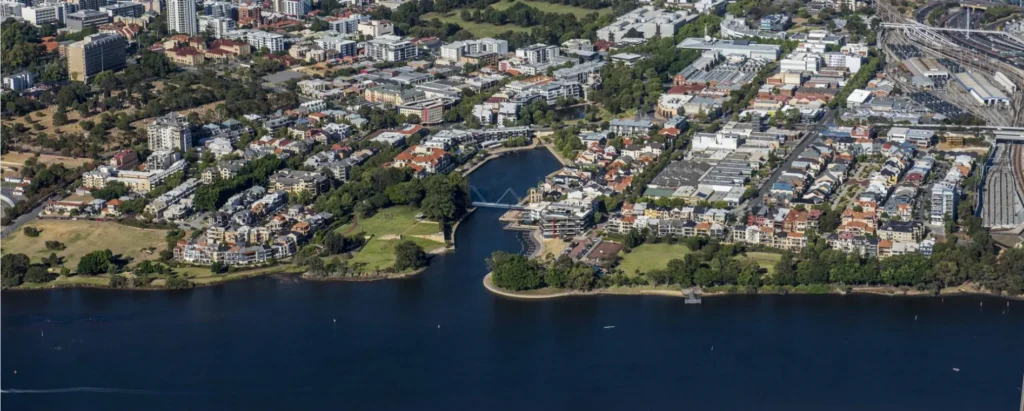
[(439, 340)]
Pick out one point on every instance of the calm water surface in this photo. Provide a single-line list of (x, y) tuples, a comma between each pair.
[(281, 343)]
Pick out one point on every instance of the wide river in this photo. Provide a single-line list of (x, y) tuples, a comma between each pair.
[(441, 341)]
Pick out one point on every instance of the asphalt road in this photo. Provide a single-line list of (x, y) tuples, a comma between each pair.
[(22, 219), (812, 134)]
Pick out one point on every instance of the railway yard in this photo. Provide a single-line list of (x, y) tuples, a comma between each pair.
[(1003, 201), (963, 57)]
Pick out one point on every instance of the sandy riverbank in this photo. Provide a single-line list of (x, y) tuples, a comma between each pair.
[(552, 293)]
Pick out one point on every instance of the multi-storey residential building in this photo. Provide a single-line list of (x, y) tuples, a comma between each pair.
[(344, 47), (293, 7), (538, 53), (94, 54), (295, 181), (221, 9), (19, 81), (216, 26), (46, 13), (271, 41), (181, 17), (944, 202), (390, 48), (250, 15), (456, 50), (170, 132), (124, 9), (586, 73), (348, 25), (376, 28), (10, 9), (392, 95), (84, 19)]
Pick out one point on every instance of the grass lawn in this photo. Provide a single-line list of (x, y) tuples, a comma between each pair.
[(479, 30), (767, 261), (83, 237), (389, 222), (650, 257), (553, 8), (380, 254)]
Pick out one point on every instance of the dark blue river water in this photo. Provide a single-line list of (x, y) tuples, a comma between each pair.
[(282, 343)]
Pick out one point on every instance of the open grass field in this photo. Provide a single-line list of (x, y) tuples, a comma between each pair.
[(17, 160), (650, 257), (386, 226), (553, 8), (479, 30), (767, 261), (83, 237)]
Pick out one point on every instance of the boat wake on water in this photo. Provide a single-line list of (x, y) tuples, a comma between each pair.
[(69, 390)]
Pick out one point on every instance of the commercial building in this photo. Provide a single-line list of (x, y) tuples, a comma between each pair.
[(170, 132), (83, 19), (94, 54), (727, 48), (429, 111), (181, 17), (390, 48), (648, 21), (982, 90)]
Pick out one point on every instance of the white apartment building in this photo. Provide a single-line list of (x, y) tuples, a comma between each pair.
[(181, 17), (453, 51), (10, 9), (344, 47), (259, 39), (47, 13), (169, 133), (376, 28), (390, 48), (348, 25), (294, 7), (216, 26), (538, 53)]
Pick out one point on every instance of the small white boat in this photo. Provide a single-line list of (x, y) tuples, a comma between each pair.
[(956, 369), (608, 327)]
